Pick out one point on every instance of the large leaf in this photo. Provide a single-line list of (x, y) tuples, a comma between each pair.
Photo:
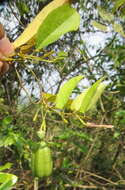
[(31, 30), (97, 95), (66, 90), (84, 101), (7, 180), (58, 22)]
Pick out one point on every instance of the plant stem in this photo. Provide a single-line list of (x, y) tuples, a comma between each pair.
[(36, 184)]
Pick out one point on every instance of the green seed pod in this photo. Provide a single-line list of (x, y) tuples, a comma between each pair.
[(41, 162)]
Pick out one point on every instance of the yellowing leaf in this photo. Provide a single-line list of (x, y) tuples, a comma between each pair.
[(31, 30), (99, 26), (48, 97), (118, 28)]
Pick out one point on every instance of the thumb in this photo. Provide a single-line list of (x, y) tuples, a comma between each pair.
[(6, 47)]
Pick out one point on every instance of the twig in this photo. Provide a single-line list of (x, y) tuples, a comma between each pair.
[(22, 86), (100, 177), (82, 186), (11, 8), (100, 126), (36, 184)]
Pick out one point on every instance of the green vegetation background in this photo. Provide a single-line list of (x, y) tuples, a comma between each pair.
[(83, 157)]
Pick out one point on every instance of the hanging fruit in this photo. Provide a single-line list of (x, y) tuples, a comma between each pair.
[(41, 161)]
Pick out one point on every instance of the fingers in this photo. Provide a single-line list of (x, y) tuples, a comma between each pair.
[(4, 67), (6, 48), (1, 64), (2, 31)]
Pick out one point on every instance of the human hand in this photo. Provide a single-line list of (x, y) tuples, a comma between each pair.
[(6, 50)]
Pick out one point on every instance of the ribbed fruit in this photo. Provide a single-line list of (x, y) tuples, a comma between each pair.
[(41, 162)]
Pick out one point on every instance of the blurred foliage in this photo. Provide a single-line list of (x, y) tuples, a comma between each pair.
[(83, 156)]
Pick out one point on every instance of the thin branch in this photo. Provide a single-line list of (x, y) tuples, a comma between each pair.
[(99, 126), (82, 186)]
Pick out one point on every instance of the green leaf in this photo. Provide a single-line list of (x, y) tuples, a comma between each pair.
[(7, 120), (84, 101), (6, 166), (118, 28), (62, 54), (60, 21), (22, 7), (77, 102), (97, 95), (7, 180), (65, 91), (117, 4), (105, 15), (6, 140), (29, 34), (99, 26)]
